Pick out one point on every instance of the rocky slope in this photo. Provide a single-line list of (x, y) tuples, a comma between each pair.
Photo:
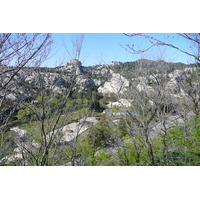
[(103, 79)]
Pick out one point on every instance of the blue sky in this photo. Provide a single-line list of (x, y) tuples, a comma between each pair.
[(102, 48)]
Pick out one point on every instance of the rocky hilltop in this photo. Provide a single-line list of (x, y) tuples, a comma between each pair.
[(107, 79), (74, 66), (58, 79)]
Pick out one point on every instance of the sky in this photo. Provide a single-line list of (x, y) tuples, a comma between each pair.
[(103, 48)]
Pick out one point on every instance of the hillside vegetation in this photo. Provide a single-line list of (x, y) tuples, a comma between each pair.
[(133, 113)]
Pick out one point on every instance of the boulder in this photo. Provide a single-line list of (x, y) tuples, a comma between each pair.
[(121, 103), (117, 84), (72, 130)]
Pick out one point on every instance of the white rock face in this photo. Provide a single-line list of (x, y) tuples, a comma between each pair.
[(97, 82), (72, 130), (151, 102), (21, 132), (121, 102), (12, 158), (74, 65), (117, 84), (11, 96)]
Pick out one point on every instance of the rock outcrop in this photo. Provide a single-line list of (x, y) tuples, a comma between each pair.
[(121, 103), (74, 66), (117, 84), (72, 130)]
